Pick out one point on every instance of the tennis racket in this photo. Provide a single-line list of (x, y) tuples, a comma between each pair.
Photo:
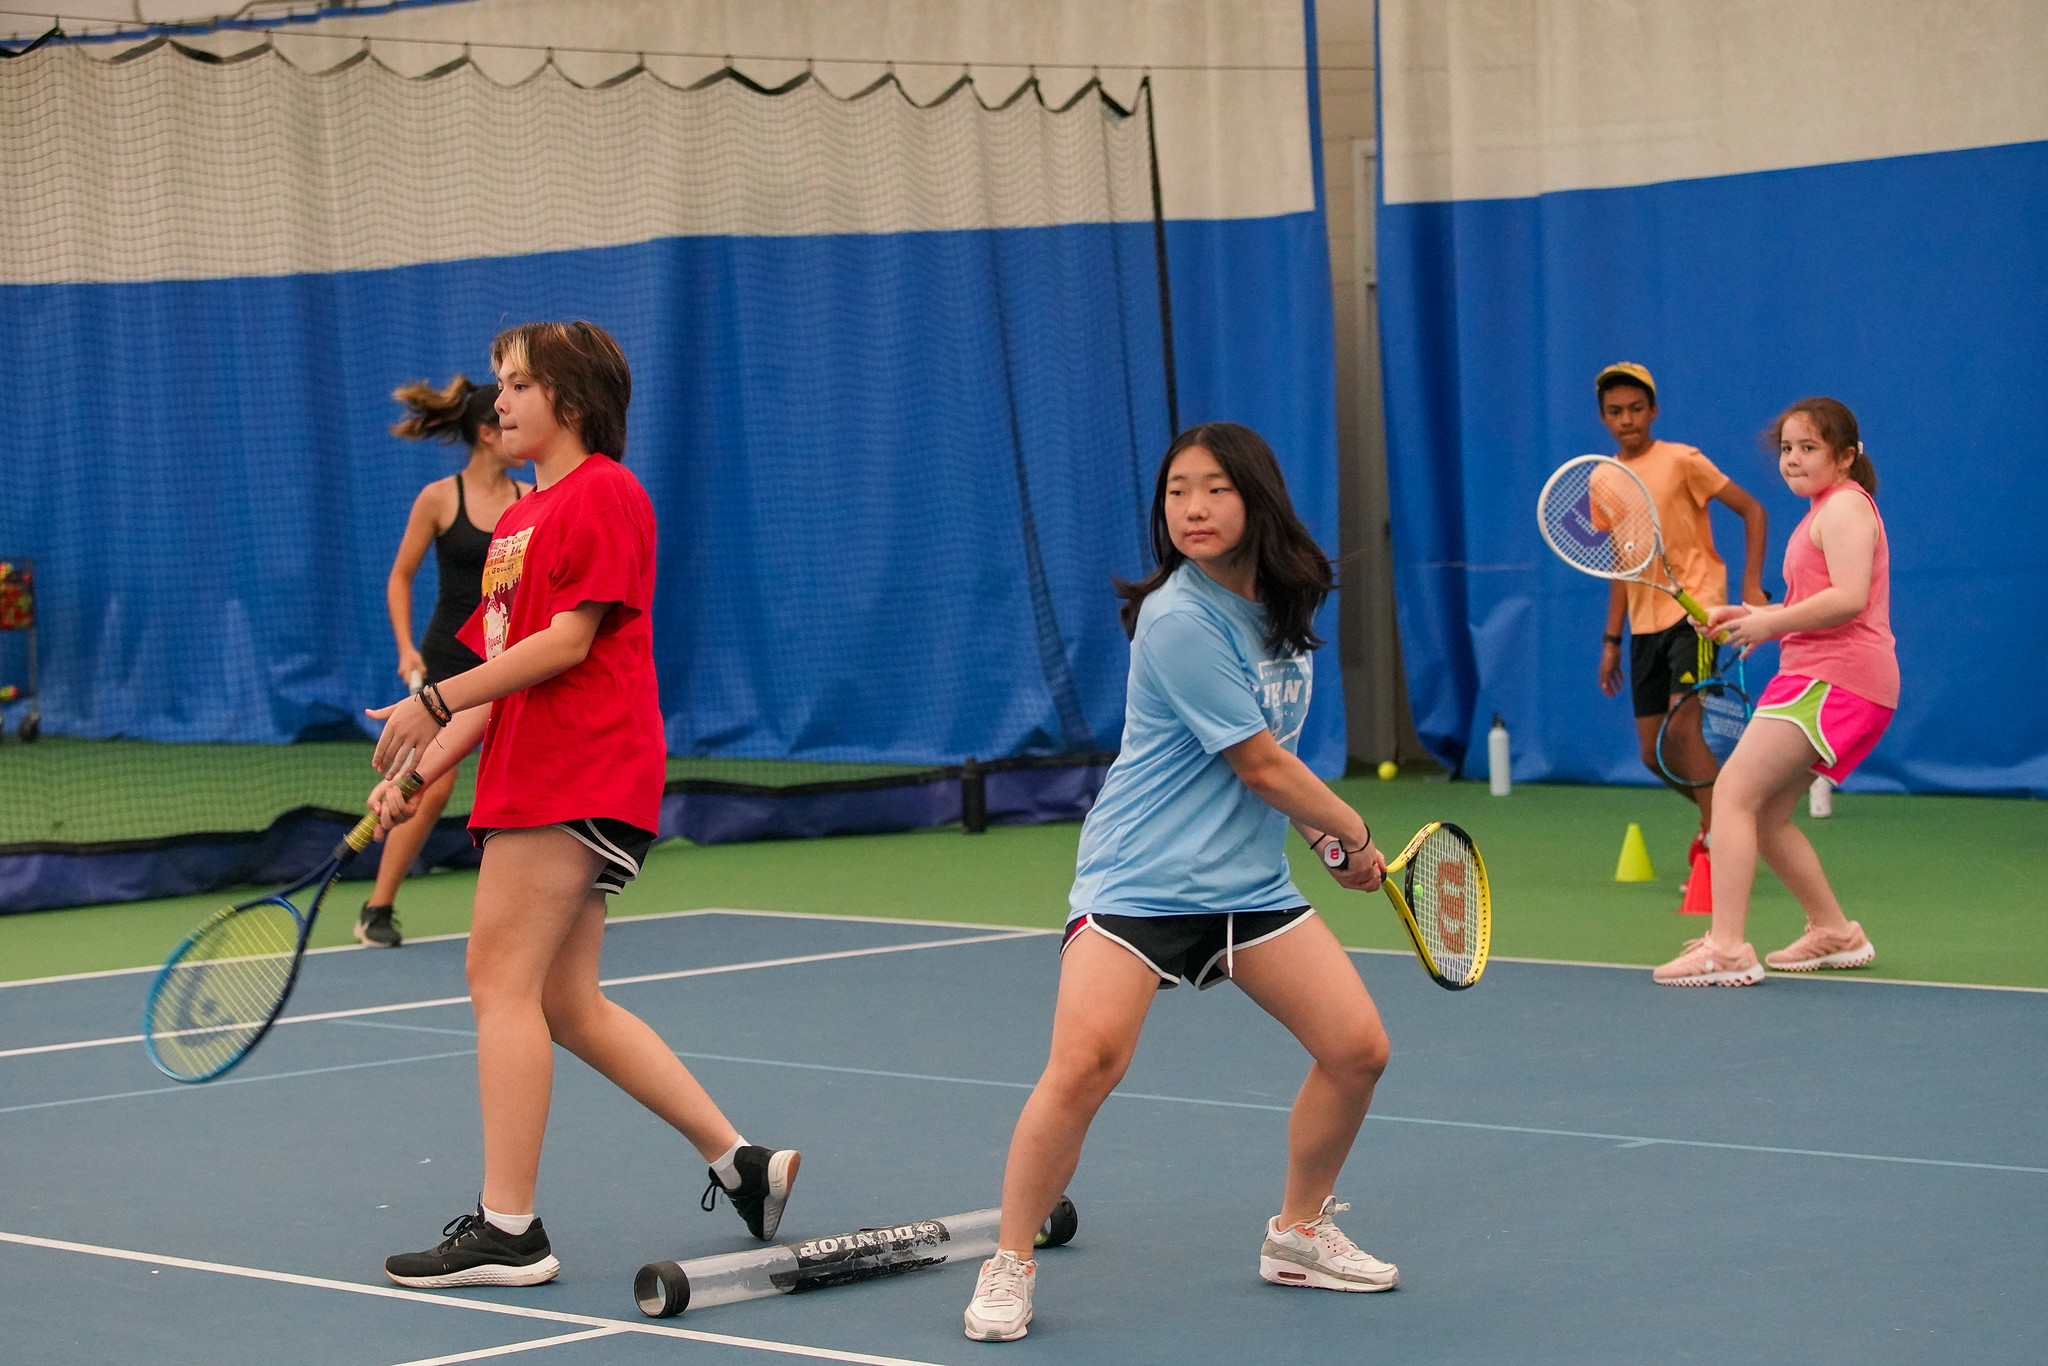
[(222, 989), (1599, 518), (1699, 733), (1443, 900)]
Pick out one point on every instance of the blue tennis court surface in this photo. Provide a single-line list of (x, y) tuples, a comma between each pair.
[(1568, 1164)]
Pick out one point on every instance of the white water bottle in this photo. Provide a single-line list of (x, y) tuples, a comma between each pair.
[(1497, 757), (1820, 798)]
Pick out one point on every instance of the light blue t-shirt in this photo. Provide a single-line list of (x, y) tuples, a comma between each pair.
[(1174, 832)]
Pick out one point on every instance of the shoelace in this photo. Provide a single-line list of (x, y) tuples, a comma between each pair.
[(1334, 1240), (711, 1194), (1002, 1280), (460, 1227)]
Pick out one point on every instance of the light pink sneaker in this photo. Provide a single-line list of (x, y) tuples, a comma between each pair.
[(1702, 965), (1818, 948)]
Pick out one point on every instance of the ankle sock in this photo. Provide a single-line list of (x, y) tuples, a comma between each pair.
[(514, 1224), (725, 1169)]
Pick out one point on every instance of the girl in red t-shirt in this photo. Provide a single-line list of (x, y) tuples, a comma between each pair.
[(569, 789), (1836, 690)]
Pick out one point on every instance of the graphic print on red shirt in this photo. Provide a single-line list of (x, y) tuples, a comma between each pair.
[(589, 741)]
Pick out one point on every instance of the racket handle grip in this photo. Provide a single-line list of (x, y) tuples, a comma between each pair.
[(365, 830), (414, 681)]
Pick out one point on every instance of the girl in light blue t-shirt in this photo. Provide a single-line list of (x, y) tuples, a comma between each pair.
[(1183, 870)]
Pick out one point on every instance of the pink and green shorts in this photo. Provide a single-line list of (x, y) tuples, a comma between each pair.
[(1842, 727)]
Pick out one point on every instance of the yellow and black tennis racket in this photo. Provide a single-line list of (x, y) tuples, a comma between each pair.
[(222, 989), (1442, 898)]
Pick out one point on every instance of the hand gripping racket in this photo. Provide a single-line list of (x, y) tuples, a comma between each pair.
[(1599, 518), (1443, 900), (222, 989)]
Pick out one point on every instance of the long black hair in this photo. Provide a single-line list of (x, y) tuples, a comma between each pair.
[(1293, 576)]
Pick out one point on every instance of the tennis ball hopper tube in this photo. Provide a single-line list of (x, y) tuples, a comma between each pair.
[(665, 1289)]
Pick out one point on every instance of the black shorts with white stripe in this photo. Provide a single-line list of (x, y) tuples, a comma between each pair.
[(622, 846), (1198, 946)]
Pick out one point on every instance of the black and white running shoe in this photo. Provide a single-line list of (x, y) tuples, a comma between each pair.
[(766, 1175), (476, 1252), (378, 928)]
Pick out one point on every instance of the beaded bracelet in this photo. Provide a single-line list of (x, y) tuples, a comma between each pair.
[(437, 707)]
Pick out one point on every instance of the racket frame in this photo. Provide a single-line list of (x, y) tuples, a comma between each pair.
[(1480, 920), (1639, 573), (358, 839), (1337, 858), (1716, 679)]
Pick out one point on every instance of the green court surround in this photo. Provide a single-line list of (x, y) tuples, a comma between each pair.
[(1936, 914)]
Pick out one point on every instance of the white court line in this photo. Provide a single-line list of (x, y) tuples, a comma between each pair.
[(1625, 1140), (1033, 929), (358, 948), (187, 1088), (312, 1017), (609, 923), (392, 1292), (530, 1345)]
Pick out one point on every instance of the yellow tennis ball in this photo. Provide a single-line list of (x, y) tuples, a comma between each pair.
[(1389, 770)]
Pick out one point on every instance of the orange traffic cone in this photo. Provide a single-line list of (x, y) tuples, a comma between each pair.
[(1699, 887)]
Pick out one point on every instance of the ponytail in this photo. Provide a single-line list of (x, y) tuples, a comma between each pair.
[(452, 414), (1837, 426)]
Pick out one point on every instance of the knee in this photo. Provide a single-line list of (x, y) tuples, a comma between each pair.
[(1359, 1061), (1085, 1073)]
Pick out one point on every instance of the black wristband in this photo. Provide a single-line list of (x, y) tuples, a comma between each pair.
[(1611, 640)]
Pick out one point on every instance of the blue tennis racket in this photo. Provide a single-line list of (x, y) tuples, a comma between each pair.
[(1699, 733), (222, 989)]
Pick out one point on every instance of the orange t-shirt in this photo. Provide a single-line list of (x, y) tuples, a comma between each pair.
[(1681, 482)]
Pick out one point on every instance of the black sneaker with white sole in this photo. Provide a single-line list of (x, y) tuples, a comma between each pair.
[(378, 927), (766, 1175), (477, 1252)]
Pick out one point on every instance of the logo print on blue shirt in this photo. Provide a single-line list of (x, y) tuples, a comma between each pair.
[(1283, 696)]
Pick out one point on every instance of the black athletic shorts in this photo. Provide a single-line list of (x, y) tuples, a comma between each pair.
[(1662, 665), (622, 846), (1196, 947)]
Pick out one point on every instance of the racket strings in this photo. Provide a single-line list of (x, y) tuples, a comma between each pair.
[(219, 996), (1444, 894), (1598, 520)]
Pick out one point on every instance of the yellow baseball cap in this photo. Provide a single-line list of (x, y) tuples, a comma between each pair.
[(1630, 371)]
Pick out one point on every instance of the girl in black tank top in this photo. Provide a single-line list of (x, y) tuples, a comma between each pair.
[(455, 516)]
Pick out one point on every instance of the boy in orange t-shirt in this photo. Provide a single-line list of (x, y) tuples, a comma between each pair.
[(1664, 654)]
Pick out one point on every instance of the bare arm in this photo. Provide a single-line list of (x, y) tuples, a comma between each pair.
[(1610, 649), (420, 527), (561, 645), (1756, 535), (1846, 532), (1285, 783)]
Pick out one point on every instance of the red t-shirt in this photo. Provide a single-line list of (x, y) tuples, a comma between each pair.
[(589, 741)]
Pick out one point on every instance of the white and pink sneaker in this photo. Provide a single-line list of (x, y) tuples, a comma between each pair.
[(1316, 1253), (1846, 947), (1001, 1308), (1702, 965)]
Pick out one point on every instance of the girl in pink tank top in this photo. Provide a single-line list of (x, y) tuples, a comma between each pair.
[(1837, 686)]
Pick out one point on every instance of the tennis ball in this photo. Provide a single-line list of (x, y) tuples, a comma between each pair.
[(1389, 770)]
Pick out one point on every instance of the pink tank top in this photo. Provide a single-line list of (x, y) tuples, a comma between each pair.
[(1859, 654)]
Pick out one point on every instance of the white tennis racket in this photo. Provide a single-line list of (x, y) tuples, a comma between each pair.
[(1599, 518)]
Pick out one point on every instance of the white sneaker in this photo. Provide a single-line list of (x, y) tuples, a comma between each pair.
[(1001, 1308), (1317, 1253)]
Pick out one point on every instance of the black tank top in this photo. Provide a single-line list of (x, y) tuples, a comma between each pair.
[(460, 552)]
